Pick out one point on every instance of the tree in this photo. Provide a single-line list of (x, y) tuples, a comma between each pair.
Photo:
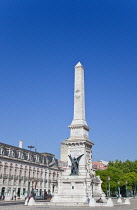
[(119, 171), (114, 174)]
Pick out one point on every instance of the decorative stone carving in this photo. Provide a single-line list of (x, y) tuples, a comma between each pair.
[(2, 151), (89, 166)]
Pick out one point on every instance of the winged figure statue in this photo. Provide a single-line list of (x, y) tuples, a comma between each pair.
[(75, 164)]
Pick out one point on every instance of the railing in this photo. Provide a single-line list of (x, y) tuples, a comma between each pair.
[(5, 176), (32, 178), (0, 176), (10, 176), (25, 178), (15, 177), (53, 181), (20, 177), (40, 179)]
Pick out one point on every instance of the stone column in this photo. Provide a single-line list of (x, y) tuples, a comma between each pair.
[(79, 96), (78, 128)]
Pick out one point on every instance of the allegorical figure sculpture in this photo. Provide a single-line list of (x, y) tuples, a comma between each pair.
[(75, 164)]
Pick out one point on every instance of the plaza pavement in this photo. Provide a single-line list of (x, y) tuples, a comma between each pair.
[(20, 206)]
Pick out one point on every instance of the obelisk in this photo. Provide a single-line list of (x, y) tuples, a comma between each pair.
[(78, 127), (74, 185), (79, 142)]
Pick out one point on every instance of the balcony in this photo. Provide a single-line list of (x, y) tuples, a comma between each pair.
[(20, 177), (53, 181), (0, 176), (10, 176), (5, 176), (25, 178), (40, 179), (32, 179), (15, 177)]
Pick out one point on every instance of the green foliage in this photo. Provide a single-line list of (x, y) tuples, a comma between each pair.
[(121, 172)]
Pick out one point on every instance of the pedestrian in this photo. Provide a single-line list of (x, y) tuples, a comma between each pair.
[(15, 197)]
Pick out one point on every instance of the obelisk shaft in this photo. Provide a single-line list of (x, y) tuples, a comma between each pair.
[(78, 128), (79, 96)]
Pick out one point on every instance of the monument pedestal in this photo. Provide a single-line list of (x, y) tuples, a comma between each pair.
[(78, 183), (77, 189)]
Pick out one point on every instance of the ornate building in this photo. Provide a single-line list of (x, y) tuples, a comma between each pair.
[(23, 171)]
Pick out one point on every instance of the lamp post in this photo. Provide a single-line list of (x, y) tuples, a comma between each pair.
[(108, 186), (134, 188), (135, 191), (92, 188), (29, 182), (119, 189), (30, 147), (126, 189)]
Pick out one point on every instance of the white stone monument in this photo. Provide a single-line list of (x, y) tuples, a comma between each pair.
[(78, 183)]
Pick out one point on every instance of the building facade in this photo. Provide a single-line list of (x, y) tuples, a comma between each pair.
[(23, 172), (63, 165), (97, 165)]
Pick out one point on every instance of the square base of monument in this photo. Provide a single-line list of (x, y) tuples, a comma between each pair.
[(69, 204), (71, 190), (69, 200)]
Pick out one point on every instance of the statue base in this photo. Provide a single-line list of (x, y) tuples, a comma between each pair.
[(77, 189), (78, 183)]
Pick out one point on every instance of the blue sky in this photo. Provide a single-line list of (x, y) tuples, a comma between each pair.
[(40, 43)]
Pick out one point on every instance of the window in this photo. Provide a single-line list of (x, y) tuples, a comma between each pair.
[(20, 172), (10, 172), (41, 173), (24, 190), (15, 172), (5, 170)]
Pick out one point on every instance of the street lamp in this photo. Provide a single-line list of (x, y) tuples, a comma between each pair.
[(135, 191), (119, 189), (29, 182), (126, 189), (92, 182), (30, 147), (134, 188), (108, 186)]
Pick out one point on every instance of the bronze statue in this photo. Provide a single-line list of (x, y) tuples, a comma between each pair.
[(75, 164)]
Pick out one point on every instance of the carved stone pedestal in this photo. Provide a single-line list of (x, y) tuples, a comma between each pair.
[(79, 182)]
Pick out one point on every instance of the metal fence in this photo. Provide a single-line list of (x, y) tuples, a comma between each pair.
[(41, 195)]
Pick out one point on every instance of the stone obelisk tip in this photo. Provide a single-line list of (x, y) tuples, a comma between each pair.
[(79, 65)]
